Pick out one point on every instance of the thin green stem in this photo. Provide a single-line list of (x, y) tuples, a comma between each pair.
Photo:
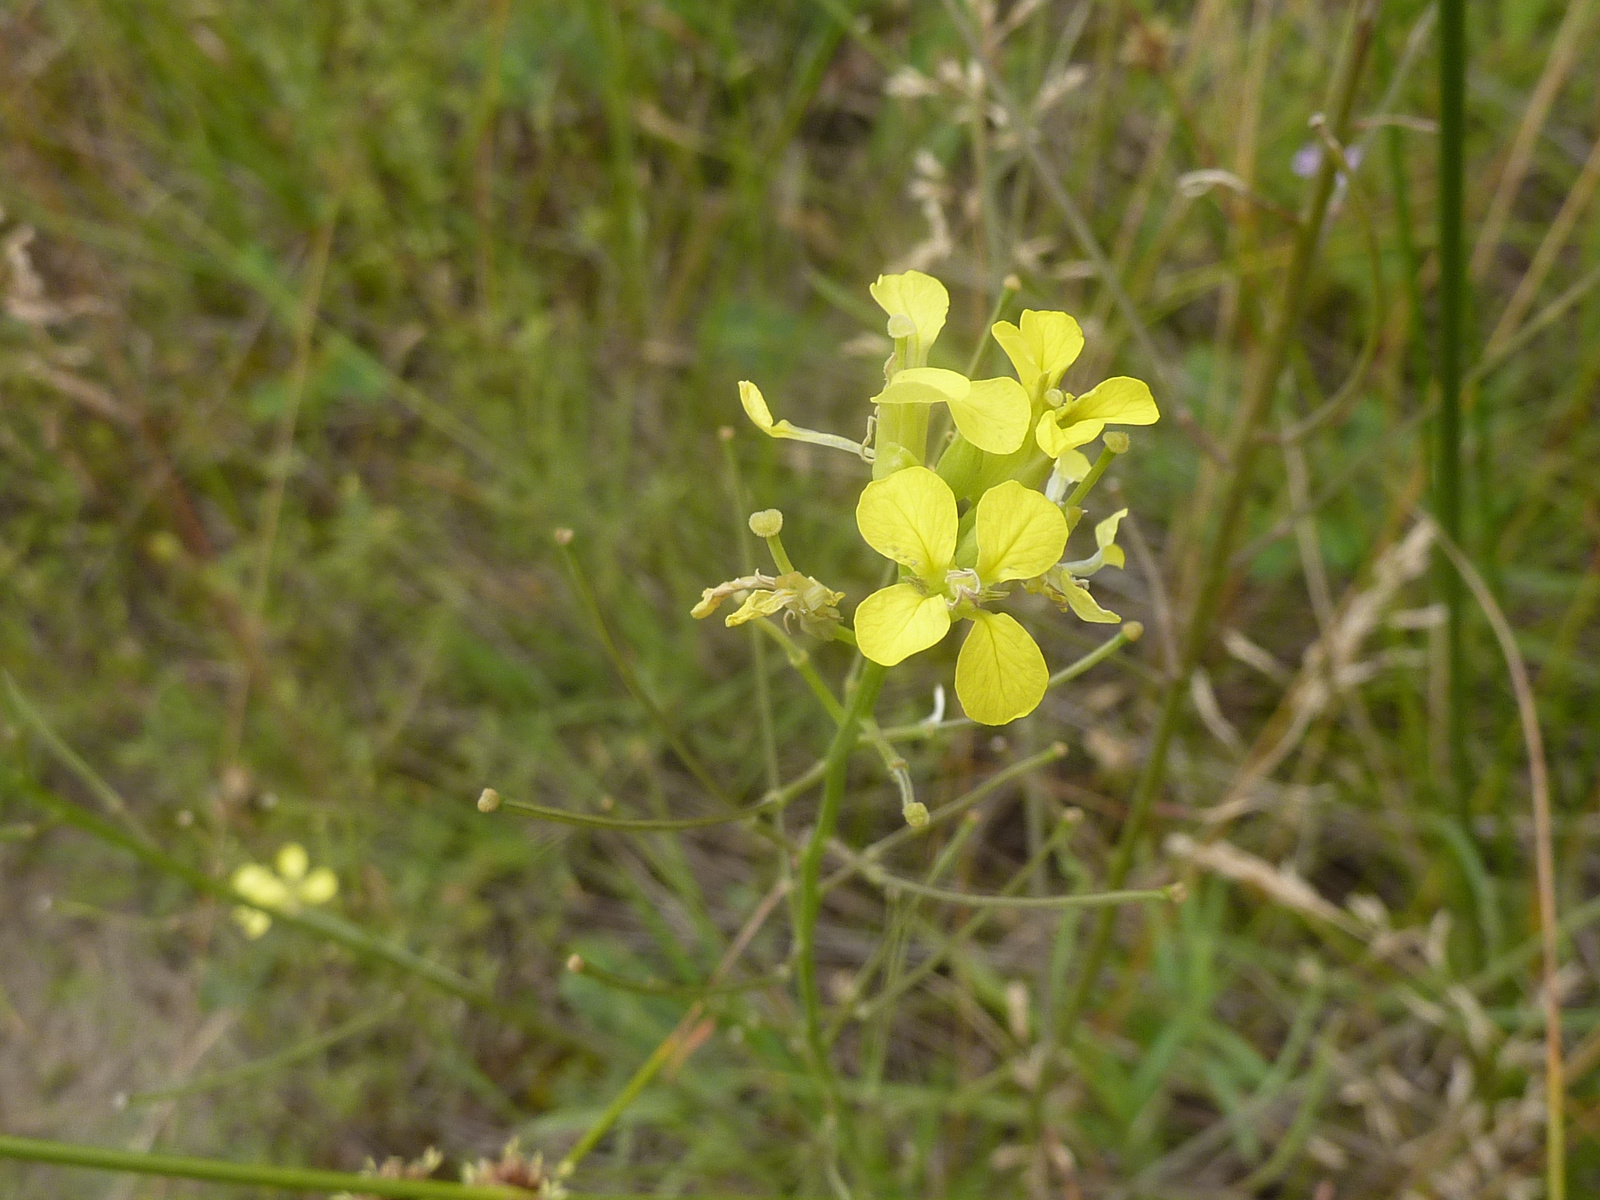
[(630, 678), (877, 876), (1452, 311), (1132, 631), (1107, 457), (808, 903), (649, 987), (1243, 443), (563, 816), (212, 1170), (273, 1062)]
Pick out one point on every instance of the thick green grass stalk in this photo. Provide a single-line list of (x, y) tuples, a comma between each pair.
[(1452, 306), (1239, 458)]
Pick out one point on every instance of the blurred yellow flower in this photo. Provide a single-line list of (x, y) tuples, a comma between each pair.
[(286, 889)]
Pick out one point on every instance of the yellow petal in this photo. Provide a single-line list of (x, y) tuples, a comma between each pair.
[(1118, 401), (759, 604), (319, 887), (1020, 533), (897, 622), (924, 385), (260, 886), (1042, 348), (993, 416), (293, 861), (1105, 537), (921, 299), (910, 516), (1072, 465), (1000, 674), (253, 921), (755, 406), (1084, 605), (1059, 431)]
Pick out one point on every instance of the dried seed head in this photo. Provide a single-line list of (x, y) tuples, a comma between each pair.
[(563, 536)]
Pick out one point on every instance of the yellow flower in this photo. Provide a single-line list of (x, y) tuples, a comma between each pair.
[(917, 305), (755, 407), (1118, 401), (1041, 350), (992, 414), (292, 885), (911, 517)]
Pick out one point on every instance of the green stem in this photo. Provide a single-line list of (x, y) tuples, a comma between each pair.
[(647, 987), (1107, 457), (212, 1170), (630, 678), (1243, 443), (1452, 305), (808, 901)]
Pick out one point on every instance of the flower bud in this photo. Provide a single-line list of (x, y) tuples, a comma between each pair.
[(916, 814), (766, 523), (1116, 441), (488, 800), (1133, 630)]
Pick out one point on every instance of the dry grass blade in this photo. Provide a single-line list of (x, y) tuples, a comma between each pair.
[(1543, 857)]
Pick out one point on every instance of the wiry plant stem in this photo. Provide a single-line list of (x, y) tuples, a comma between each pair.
[(1452, 302), (1242, 445), (808, 903)]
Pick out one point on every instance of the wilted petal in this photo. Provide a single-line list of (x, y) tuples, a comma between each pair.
[(1105, 537), (910, 516), (755, 407), (1000, 674), (897, 622), (759, 604), (1084, 605), (1020, 533)]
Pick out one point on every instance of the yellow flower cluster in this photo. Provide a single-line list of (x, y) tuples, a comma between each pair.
[(290, 887), (1015, 452)]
